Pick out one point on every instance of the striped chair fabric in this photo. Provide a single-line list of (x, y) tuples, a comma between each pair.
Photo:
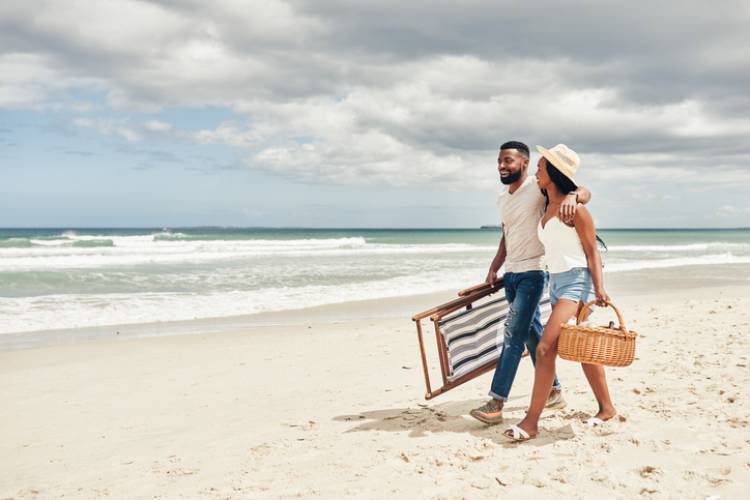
[(474, 337)]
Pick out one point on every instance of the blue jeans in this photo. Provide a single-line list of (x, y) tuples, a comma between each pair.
[(523, 326)]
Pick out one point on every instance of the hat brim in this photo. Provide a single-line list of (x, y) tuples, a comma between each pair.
[(557, 162)]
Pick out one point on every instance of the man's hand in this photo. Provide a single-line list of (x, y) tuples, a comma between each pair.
[(491, 278), (568, 208)]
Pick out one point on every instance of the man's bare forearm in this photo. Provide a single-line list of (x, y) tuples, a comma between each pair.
[(499, 259), (569, 205), (583, 195)]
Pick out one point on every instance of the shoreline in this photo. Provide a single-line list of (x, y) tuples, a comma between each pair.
[(360, 310), (623, 284)]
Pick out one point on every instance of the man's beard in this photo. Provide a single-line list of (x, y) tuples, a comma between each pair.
[(510, 179)]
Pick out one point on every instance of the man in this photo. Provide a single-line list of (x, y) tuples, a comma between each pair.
[(521, 207)]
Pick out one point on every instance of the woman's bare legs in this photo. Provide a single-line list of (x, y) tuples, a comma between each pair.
[(546, 352), (598, 382)]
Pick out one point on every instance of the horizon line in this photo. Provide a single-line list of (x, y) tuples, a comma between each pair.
[(343, 228)]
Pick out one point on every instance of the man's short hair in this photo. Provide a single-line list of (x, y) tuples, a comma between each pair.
[(521, 147)]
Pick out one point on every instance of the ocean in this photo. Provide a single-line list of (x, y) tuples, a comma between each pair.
[(73, 278)]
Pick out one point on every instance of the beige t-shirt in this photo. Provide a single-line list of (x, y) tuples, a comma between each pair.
[(520, 214)]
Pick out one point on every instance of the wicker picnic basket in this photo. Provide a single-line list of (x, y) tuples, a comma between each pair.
[(598, 345)]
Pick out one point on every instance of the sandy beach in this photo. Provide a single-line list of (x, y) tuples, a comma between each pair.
[(336, 409), (218, 219)]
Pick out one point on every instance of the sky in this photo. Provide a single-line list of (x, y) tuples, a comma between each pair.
[(367, 114)]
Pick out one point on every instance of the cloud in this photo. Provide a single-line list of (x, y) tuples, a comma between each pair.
[(32, 80), (107, 126), (403, 93), (73, 152), (157, 126), (733, 210)]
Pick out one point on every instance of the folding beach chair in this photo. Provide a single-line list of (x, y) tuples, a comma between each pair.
[(469, 331)]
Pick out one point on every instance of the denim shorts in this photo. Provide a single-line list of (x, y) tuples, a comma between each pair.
[(575, 285)]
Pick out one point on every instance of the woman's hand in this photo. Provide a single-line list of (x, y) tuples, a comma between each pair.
[(601, 297)]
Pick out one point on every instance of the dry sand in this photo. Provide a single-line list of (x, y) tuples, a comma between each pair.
[(336, 410)]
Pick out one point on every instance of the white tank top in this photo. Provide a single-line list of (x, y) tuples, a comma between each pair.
[(562, 246)]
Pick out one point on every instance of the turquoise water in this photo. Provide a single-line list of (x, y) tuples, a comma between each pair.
[(67, 278)]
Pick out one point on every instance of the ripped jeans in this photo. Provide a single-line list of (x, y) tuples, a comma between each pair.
[(523, 326)]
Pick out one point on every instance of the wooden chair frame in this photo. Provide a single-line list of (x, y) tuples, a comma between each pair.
[(465, 299)]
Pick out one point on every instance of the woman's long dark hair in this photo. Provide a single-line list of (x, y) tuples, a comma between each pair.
[(565, 186)]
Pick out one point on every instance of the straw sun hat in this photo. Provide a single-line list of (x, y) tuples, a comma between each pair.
[(563, 158)]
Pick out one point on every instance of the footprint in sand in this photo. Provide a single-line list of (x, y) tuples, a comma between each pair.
[(648, 471)]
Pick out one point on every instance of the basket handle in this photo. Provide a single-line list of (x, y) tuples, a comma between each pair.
[(586, 308)]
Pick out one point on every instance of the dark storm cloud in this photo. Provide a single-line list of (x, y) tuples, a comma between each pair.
[(639, 43)]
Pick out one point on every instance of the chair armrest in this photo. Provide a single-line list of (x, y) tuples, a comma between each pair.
[(438, 312), (482, 286)]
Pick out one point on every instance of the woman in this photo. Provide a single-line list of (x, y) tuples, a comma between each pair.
[(575, 268)]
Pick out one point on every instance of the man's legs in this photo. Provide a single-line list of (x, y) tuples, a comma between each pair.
[(524, 303), (523, 292)]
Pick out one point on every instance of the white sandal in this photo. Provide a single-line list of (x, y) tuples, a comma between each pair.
[(518, 435), (594, 422)]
